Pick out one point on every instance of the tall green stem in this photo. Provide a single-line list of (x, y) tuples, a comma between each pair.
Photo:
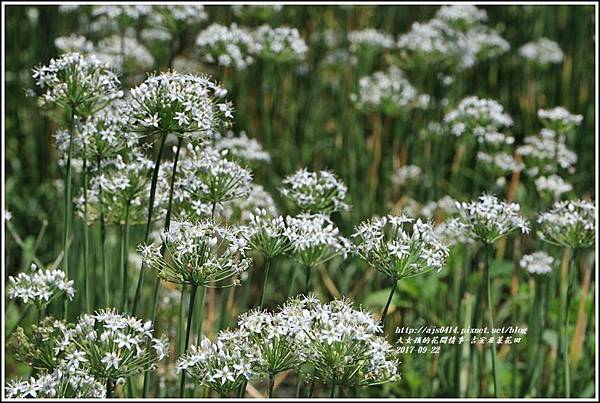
[(67, 218), (271, 385), (265, 278), (565, 347), (103, 240), (187, 335), (488, 289), (389, 300), (124, 258), (86, 253), (138, 288), (167, 225), (110, 388), (332, 390), (308, 277)]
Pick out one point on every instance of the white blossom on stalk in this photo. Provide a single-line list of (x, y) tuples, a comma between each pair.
[(488, 219), (314, 239), (242, 147), (369, 39), (559, 119), (59, 383), (40, 286), (389, 246), (114, 345), (185, 104), (542, 52), (280, 45), (407, 174), (267, 234), (461, 14), (570, 224), (537, 263), (82, 84), (344, 345), (74, 43), (552, 185), (226, 46), (222, 365), (201, 253), (315, 192), (211, 178), (387, 91), (546, 153), (175, 18), (124, 53), (476, 116), (243, 209)]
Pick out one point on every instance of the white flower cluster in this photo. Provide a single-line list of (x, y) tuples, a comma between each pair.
[(124, 53), (222, 365), (122, 190), (110, 345), (477, 116), (200, 253), (387, 91), (386, 245), (213, 179), (537, 263), (500, 163), (184, 104), (243, 208), (463, 14), (545, 153), (559, 119), (552, 185), (314, 239), (134, 12), (242, 147), (226, 46), (343, 344), (454, 40), (281, 44), (315, 192), (40, 286), (569, 223), (173, 17), (407, 174), (489, 219), (79, 83), (74, 43), (57, 384), (369, 39), (268, 234), (454, 232), (542, 52)]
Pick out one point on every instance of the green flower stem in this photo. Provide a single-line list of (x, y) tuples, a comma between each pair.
[(308, 278), (86, 239), (187, 334), (332, 390), (565, 346), (124, 258), (200, 315), (167, 224), (271, 385), (536, 327), (110, 388), (138, 288), (266, 277), (103, 242), (387, 305), (488, 289), (67, 218)]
